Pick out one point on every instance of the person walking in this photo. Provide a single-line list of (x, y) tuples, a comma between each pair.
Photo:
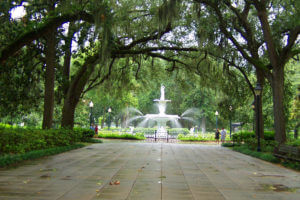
[(96, 129), (217, 136), (223, 135)]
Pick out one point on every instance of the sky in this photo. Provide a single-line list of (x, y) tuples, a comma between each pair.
[(18, 12)]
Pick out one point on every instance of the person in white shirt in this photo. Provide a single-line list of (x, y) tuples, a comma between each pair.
[(223, 135)]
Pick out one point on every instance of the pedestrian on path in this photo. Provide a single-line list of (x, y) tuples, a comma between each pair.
[(223, 135), (96, 129), (217, 136)]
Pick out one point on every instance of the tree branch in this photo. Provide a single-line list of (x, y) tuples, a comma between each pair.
[(93, 84), (41, 31)]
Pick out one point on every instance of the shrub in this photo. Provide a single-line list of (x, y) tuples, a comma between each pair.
[(241, 136), (227, 144), (18, 140), (262, 155), (84, 134), (295, 143), (247, 136), (113, 135), (199, 137), (9, 159), (269, 135), (177, 131)]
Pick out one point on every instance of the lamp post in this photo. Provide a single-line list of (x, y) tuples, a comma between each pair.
[(216, 113), (253, 108), (258, 91), (109, 111), (91, 105), (230, 109)]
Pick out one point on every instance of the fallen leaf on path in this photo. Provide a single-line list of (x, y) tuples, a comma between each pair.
[(117, 182), (26, 181), (99, 183)]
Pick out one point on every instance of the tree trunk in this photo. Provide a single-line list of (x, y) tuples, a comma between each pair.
[(67, 57), (277, 81), (49, 79), (278, 105), (74, 92)]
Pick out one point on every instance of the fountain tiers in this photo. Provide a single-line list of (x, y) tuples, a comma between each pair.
[(162, 118)]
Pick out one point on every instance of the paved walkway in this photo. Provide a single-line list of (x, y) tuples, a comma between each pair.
[(141, 171)]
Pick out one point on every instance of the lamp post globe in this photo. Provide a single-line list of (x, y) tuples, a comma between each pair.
[(109, 121), (91, 105)]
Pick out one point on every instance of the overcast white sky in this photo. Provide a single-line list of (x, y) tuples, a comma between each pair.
[(17, 12)]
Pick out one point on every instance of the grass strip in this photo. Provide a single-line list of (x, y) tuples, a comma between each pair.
[(10, 159)]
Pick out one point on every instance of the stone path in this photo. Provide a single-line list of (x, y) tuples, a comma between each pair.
[(149, 171)]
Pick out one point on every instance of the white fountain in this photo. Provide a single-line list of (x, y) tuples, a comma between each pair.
[(162, 118)]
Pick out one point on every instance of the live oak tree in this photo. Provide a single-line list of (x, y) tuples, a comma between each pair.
[(106, 32), (262, 33)]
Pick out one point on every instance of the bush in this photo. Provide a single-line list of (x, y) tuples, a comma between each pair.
[(18, 140), (10, 159), (241, 136), (269, 135), (227, 144), (113, 135), (247, 136), (177, 131), (84, 134), (93, 140), (262, 155), (200, 137), (295, 143)]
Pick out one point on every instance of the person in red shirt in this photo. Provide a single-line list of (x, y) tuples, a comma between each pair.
[(96, 129)]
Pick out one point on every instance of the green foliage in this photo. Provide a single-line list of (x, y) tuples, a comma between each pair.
[(241, 136), (114, 135), (292, 165), (267, 156), (176, 131), (228, 144), (93, 140), (85, 134), (295, 143), (17, 140), (199, 137), (9, 159), (262, 155), (244, 136)]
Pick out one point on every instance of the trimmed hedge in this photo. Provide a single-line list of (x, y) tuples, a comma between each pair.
[(177, 131), (199, 137), (10, 159), (242, 136), (18, 140), (267, 156), (113, 135)]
